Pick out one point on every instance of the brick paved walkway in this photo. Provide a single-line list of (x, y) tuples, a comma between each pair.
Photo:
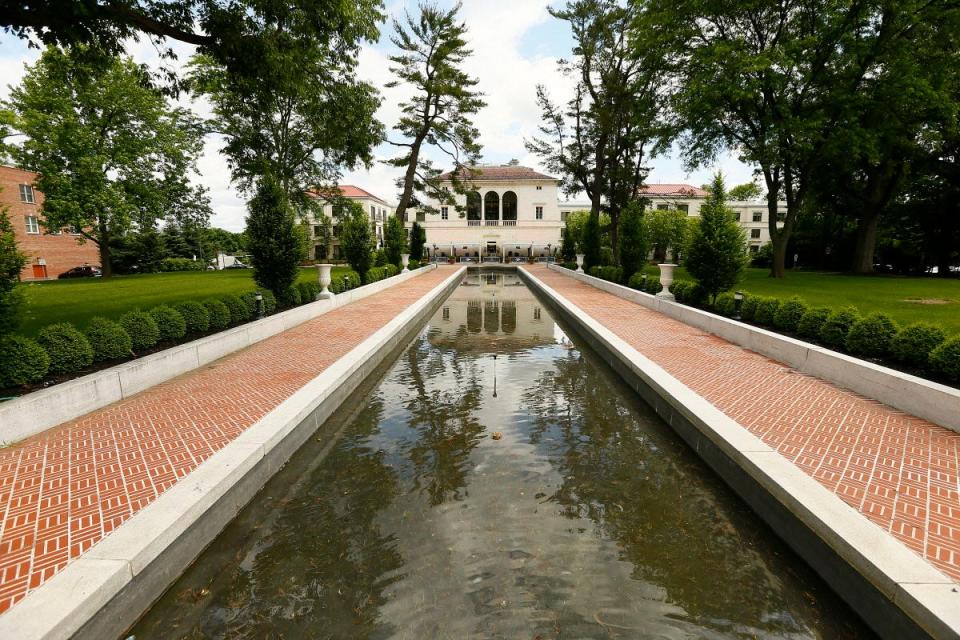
[(63, 490), (896, 469)]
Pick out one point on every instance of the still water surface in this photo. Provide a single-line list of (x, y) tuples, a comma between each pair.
[(587, 518)]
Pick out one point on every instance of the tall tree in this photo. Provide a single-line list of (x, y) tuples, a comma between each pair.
[(356, 239), (110, 152), (633, 253), (12, 260), (418, 238), (601, 139), (716, 253), (440, 112), (274, 244), (395, 239)]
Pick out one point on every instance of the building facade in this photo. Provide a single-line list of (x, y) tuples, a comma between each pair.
[(512, 212), (49, 253), (376, 208)]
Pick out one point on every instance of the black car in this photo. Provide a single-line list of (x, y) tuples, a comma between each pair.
[(86, 271)]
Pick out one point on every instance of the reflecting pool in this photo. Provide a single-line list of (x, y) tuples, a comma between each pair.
[(498, 481)]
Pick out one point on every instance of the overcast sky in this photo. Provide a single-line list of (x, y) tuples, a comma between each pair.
[(516, 44)]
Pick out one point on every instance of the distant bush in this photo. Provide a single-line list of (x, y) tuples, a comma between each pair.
[(108, 339), (787, 317), (269, 301), (870, 337), (142, 329), (375, 274), (22, 361), (748, 307), (68, 349), (837, 326), (594, 271), (914, 343), (170, 322), (219, 314), (611, 274), (679, 289), (195, 315), (249, 300), (306, 293), (725, 305), (811, 322), (766, 310), (573, 266), (181, 264), (946, 359), (238, 310), (345, 282), (391, 270), (635, 282)]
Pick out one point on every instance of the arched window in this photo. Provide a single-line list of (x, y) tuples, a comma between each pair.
[(491, 206), (474, 203), (509, 206)]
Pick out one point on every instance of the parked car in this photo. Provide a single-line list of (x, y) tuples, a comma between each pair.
[(85, 271), (237, 265)]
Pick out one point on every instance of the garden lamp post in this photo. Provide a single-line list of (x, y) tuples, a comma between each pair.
[(643, 281), (259, 298), (737, 304)]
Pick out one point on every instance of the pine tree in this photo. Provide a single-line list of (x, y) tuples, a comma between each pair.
[(273, 242), (716, 253), (418, 238), (395, 239), (568, 250), (356, 239), (633, 240), (11, 262)]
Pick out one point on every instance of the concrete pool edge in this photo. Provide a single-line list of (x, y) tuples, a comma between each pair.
[(102, 593), (40, 410), (894, 590)]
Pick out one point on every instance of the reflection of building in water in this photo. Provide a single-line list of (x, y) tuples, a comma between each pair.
[(491, 307)]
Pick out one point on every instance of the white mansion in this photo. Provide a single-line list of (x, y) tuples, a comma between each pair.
[(514, 212)]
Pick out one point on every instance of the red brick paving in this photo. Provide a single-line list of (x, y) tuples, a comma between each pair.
[(63, 490), (896, 469)]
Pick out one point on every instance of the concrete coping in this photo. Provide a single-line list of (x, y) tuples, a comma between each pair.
[(923, 593), (63, 604), (925, 399), (38, 411)]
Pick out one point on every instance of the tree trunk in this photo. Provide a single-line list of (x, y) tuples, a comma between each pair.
[(408, 177), (866, 241), (105, 267), (778, 267)]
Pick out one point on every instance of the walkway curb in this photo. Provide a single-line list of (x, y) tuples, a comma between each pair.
[(102, 593), (894, 590), (40, 410)]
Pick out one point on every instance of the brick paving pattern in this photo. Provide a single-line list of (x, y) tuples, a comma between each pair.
[(896, 469), (63, 490)]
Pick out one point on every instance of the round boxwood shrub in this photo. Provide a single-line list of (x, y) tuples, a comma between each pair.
[(170, 322), (725, 304), (269, 301), (837, 326), (68, 349), (108, 339), (914, 343), (22, 361), (870, 337), (291, 297), (305, 295), (238, 310), (219, 314), (249, 300), (748, 308), (811, 322), (142, 329), (946, 359), (766, 310), (787, 317), (195, 315), (679, 290)]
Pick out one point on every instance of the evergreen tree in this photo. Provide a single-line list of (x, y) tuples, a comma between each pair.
[(274, 243), (716, 253), (633, 240), (356, 239), (590, 245), (568, 250), (394, 239), (418, 238), (11, 262)]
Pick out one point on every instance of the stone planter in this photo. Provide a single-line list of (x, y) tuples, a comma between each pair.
[(325, 293), (666, 279), (405, 260), (580, 257)]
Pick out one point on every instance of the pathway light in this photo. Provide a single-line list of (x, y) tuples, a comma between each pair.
[(737, 304)]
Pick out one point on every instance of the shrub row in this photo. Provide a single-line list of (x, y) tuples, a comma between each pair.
[(181, 264), (386, 271), (611, 274)]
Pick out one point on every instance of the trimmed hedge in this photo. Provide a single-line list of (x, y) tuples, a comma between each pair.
[(68, 349), (766, 309), (22, 361), (946, 359), (573, 267), (914, 343), (345, 282), (238, 311), (837, 326), (748, 307), (108, 339), (195, 315), (142, 329), (812, 321), (290, 297), (787, 317), (219, 314), (870, 337), (725, 304), (170, 322)]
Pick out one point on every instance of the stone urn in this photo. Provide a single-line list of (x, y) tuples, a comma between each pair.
[(580, 257), (405, 260), (666, 279), (325, 293)]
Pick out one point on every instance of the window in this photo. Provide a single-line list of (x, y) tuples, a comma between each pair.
[(373, 212), (33, 225), (509, 206), (26, 194), (446, 313), (539, 213), (758, 216), (662, 207), (755, 233), (754, 248), (736, 216), (421, 216), (491, 206), (444, 213), (683, 207), (563, 215), (539, 188), (316, 231), (536, 313)]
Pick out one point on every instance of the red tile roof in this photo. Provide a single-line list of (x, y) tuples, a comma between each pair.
[(675, 190), (503, 173), (350, 191)]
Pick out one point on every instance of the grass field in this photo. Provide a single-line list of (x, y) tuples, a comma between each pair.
[(904, 299), (79, 300)]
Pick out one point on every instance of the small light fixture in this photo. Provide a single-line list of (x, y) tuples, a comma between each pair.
[(643, 282), (737, 304), (259, 298)]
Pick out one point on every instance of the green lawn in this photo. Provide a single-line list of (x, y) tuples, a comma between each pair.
[(79, 300), (897, 296)]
